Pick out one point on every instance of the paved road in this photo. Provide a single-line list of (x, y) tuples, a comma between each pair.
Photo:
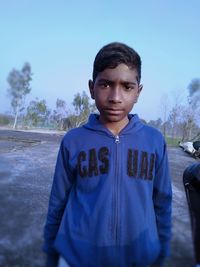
[(27, 162)]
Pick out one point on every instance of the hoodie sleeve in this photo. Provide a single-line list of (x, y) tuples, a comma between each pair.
[(61, 186), (162, 198)]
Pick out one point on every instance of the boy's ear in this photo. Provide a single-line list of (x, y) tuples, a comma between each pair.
[(140, 89), (138, 92), (91, 87)]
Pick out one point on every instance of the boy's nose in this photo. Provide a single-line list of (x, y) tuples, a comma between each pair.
[(115, 95)]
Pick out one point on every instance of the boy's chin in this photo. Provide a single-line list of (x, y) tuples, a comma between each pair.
[(114, 119)]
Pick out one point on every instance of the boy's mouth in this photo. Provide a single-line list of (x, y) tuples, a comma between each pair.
[(113, 111)]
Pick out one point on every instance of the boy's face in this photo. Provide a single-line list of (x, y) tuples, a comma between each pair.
[(115, 92)]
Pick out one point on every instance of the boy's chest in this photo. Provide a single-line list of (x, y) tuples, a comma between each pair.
[(123, 160)]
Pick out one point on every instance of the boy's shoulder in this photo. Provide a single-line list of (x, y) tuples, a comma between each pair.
[(153, 134), (138, 124), (74, 132), (75, 136), (152, 130)]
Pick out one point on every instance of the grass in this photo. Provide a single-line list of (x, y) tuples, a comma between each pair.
[(172, 141)]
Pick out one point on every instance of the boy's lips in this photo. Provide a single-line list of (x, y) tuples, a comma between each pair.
[(113, 110)]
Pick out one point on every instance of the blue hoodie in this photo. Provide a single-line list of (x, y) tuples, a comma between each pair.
[(110, 203)]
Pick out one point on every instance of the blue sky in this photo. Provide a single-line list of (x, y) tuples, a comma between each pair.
[(61, 38)]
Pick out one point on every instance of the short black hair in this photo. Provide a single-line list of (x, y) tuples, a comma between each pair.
[(113, 54)]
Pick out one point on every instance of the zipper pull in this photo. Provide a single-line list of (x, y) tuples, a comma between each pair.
[(117, 139)]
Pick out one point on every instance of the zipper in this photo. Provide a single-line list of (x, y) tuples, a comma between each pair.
[(117, 139), (116, 192)]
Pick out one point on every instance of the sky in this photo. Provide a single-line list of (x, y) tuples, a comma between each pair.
[(60, 40)]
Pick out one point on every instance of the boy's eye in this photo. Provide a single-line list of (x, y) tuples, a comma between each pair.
[(129, 88), (104, 85)]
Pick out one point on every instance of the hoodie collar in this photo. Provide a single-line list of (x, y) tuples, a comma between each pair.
[(95, 125)]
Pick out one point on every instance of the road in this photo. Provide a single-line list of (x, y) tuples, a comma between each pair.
[(27, 162)]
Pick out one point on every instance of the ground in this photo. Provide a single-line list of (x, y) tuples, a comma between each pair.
[(27, 162)]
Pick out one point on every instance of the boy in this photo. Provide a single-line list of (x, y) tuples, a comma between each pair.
[(110, 203)]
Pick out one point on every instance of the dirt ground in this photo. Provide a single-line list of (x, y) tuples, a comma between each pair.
[(27, 162)]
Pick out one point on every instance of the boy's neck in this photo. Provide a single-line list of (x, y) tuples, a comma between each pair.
[(115, 127)]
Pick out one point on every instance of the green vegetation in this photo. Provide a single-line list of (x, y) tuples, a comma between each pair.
[(5, 119), (172, 141)]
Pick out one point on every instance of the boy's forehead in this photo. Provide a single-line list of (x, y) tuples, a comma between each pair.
[(121, 71)]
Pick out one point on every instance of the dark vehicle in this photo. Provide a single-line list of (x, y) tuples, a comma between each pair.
[(191, 181)]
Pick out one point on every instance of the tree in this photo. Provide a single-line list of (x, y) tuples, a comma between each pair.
[(83, 107), (5, 119), (176, 115), (37, 113), (60, 113), (189, 114), (186, 122), (194, 97), (174, 119), (194, 88), (156, 123), (19, 87), (81, 103), (165, 109)]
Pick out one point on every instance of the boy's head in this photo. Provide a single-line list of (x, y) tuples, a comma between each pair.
[(116, 83), (113, 54)]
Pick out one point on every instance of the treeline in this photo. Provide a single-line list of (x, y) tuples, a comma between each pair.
[(38, 114), (183, 119), (179, 121), (177, 131)]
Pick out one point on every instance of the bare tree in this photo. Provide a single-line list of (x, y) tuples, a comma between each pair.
[(165, 106), (187, 122), (184, 118)]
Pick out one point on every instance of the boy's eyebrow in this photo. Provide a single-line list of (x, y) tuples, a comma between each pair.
[(132, 83), (104, 80), (111, 82)]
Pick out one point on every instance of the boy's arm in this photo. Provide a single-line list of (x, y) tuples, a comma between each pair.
[(62, 183), (162, 198)]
